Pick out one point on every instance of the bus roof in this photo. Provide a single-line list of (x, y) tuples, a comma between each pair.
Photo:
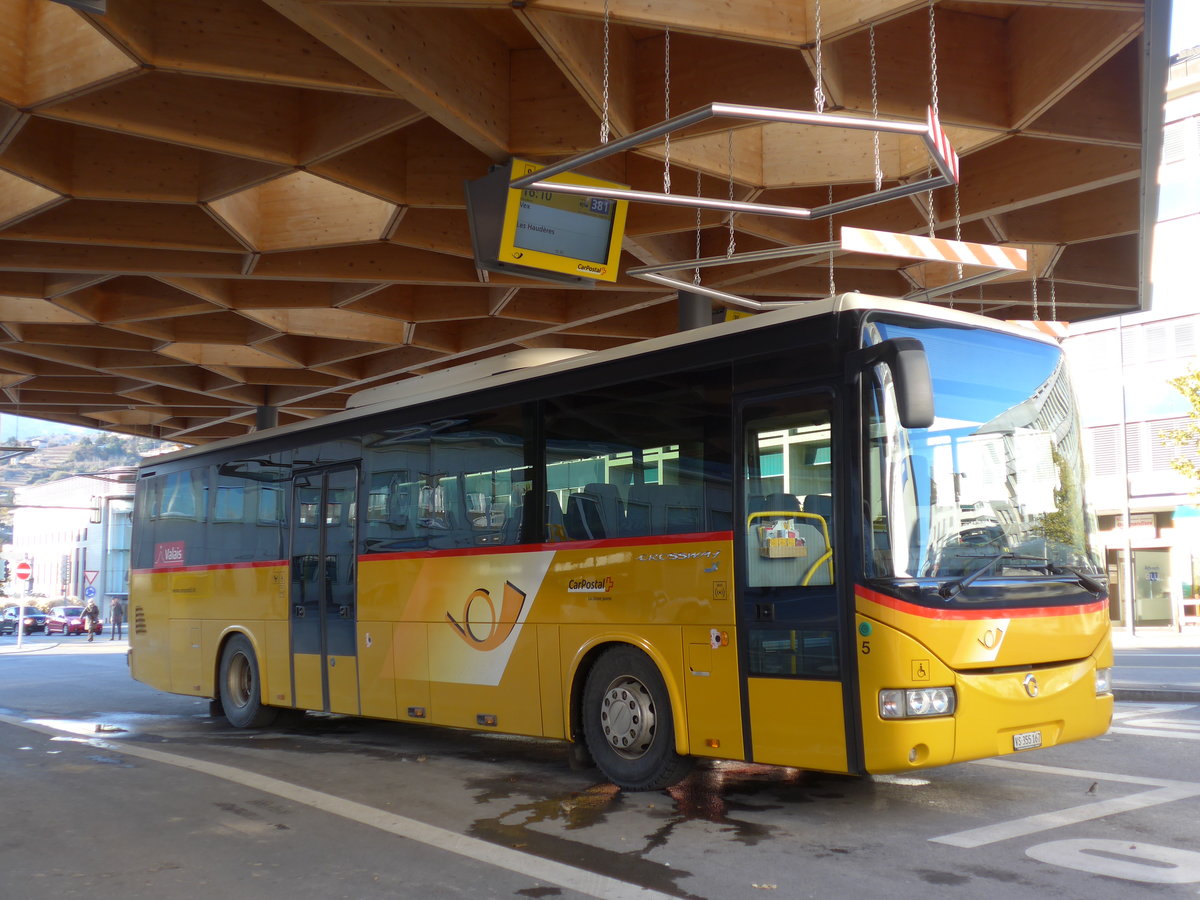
[(514, 367)]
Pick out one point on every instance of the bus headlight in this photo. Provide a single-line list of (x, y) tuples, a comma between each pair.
[(1103, 681), (904, 704)]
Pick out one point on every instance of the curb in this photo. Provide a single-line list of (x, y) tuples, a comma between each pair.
[(1157, 695)]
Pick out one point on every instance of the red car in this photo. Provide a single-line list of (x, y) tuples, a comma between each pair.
[(65, 619)]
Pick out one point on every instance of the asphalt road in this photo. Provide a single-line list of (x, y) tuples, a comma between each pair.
[(111, 789)]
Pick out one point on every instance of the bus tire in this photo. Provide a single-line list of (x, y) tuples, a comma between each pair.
[(628, 722), (241, 687)]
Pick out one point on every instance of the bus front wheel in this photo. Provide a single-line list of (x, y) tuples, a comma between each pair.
[(240, 687), (628, 724)]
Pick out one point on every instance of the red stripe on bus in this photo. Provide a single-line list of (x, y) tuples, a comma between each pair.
[(557, 545), (1022, 612), (215, 567)]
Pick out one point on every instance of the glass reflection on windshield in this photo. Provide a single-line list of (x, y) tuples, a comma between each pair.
[(996, 480)]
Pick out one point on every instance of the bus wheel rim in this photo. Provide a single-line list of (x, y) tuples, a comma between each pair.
[(627, 717), (238, 680)]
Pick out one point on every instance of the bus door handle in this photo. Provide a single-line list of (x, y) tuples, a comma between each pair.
[(764, 612)]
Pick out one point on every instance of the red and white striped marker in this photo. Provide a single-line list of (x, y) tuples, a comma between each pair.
[(942, 144), (914, 246)]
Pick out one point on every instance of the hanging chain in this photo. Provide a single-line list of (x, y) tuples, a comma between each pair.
[(604, 129), (933, 90), (819, 90), (958, 224), (696, 273), (1036, 317), (1053, 300), (667, 110), (729, 163), (875, 109), (933, 70), (929, 199), (832, 287)]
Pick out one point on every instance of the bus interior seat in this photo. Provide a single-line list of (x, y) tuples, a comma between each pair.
[(763, 571), (663, 509), (555, 527), (821, 505), (593, 513)]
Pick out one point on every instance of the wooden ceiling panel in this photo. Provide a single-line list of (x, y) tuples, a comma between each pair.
[(211, 205)]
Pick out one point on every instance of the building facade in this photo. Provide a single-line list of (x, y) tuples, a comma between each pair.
[(75, 534), (1149, 513)]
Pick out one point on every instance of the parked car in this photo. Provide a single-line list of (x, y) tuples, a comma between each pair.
[(65, 620), (34, 620)]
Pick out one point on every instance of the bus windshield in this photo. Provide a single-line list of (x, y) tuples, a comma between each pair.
[(993, 489)]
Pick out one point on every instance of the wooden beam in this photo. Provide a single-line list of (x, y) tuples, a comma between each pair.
[(257, 121), (445, 62), (577, 47), (756, 21), (1022, 171), (46, 257), (972, 64), (1106, 212), (343, 324), (1103, 109), (236, 39), (1044, 68), (64, 55), (118, 224), (370, 262)]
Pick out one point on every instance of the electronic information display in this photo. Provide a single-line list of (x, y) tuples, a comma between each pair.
[(543, 234)]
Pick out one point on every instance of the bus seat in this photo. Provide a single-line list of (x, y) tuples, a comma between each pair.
[(593, 513), (663, 509), (813, 569), (555, 527), (821, 505), (779, 502)]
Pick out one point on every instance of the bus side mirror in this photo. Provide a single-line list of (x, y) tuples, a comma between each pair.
[(905, 358)]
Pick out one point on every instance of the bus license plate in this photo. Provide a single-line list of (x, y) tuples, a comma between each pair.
[(1027, 740)]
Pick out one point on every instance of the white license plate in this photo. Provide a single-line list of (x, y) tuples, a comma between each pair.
[(1027, 740)]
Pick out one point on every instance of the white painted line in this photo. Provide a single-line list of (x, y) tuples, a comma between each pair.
[(1182, 734), (1129, 709), (1163, 791), (525, 864)]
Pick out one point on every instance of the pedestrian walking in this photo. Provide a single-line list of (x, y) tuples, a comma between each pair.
[(91, 619), (116, 617)]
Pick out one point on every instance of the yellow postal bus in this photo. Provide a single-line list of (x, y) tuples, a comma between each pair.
[(848, 537)]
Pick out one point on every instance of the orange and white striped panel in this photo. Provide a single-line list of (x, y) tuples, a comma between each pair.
[(914, 246), (942, 143)]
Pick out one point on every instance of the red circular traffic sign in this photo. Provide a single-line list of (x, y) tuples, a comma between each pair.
[(24, 571)]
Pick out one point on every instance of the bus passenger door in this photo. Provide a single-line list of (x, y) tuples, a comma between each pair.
[(323, 591), (790, 613)]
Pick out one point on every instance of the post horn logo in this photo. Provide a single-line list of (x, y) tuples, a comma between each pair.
[(1031, 685), (480, 627)]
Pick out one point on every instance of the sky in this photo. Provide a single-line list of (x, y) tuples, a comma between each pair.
[(1185, 25), (1185, 34)]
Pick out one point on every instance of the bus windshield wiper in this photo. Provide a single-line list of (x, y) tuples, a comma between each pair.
[(952, 589), (1087, 582)]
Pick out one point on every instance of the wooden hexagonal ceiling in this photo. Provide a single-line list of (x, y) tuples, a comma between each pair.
[(211, 206)]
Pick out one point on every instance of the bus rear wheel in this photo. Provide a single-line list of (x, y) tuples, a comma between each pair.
[(240, 686), (628, 723)]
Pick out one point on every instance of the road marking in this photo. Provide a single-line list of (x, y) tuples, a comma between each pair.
[(534, 867), (1162, 791), (1147, 863), (1175, 730), (1134, 710)]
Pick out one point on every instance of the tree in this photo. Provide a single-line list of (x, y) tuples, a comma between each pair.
[(1187, 437)]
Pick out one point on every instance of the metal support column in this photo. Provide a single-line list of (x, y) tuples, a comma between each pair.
[(695, 310)]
